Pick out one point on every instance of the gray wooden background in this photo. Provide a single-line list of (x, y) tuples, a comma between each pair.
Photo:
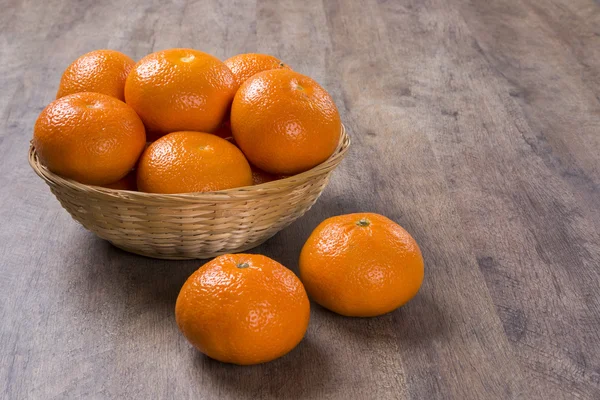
[(475, 125)]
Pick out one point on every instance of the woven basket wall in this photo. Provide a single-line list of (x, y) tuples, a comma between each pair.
[(192, 225)]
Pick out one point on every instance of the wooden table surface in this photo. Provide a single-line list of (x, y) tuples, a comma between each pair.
[(475, 125)]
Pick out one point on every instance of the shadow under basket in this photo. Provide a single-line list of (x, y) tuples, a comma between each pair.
[(192, 225)]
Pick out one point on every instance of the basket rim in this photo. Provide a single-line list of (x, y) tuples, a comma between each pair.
[(279, 185)]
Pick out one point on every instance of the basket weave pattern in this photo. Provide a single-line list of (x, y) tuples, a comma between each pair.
[(192, 225)]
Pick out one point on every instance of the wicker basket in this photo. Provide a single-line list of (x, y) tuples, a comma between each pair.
[(193, 225)]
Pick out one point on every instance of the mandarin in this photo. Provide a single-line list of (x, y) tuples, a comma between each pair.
[(89, 137), (128, 182), (180, 90), (184, 162), (284, 122), (361, 265), (224, 130), (243, 309), (243, 66), (100, 71), (259, 176)]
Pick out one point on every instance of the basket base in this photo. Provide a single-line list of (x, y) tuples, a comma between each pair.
[(198, 256)]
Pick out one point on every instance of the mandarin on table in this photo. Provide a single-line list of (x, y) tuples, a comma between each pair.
[(243, 309), (361, 265), (89, 137), (184, 162), (100, 71), (243, 66), (180, 90), (284, 122)]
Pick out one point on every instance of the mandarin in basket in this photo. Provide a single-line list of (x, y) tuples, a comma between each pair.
[(243, 309), (224, 130), (361, 265), (89, 137), (243, 66), (180, 90), (284, 122), (259, 176), (128, 182), (100, 71), (185, 162)]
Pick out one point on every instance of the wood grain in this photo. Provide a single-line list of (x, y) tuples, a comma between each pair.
[(475, 126)]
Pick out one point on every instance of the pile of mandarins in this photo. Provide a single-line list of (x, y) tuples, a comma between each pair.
[(212, 125), (217, 125)]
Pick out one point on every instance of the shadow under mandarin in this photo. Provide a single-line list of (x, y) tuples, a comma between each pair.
[(303, 373)]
